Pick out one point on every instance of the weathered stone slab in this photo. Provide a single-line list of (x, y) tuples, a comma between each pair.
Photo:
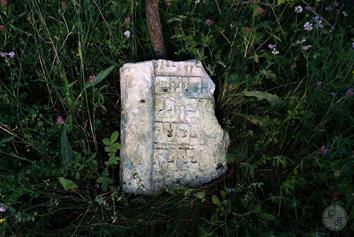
[(169, 132)]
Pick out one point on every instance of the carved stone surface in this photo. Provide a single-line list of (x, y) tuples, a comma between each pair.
[(169, 132)]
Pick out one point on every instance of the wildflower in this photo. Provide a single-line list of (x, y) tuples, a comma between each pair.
[(336, 173), (274, 49), (275, 52), (306, 47), (5, 54), (319, 84), (323, 150), (308, 26), (260, 11), (92, 78), (272, 46), (318, 22), (127, 20), (11, 54), (298, 9), (349, 92), (127, 34), (303, 40), (3, 3), (2, 220), (2, 208), (209, 22), (249, 30), (60, 120)]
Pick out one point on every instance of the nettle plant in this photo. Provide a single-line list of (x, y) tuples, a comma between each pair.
[(111, 147)]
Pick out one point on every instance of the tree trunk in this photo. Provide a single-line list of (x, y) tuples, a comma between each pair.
[(155, 29)]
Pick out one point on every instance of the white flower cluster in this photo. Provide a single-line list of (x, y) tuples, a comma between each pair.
[(7, 55), (274, 49)]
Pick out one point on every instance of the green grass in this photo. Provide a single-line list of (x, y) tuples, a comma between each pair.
[(290, 117)]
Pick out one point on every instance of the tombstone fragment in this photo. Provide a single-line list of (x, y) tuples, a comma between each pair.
[(169, 132)]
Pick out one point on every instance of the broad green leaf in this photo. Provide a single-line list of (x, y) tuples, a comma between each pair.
[(106, 141), (115, 146), (114, 136), (67, 184), (100, 77), (257, 208), (105, 182), (216, 201), (66, 151), (266, 216), (273, 100), (113, 160)]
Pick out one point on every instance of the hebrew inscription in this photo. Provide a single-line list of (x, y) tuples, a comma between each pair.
[(169, 132)]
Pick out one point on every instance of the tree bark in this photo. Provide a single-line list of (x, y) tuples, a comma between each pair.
[(155, 29)]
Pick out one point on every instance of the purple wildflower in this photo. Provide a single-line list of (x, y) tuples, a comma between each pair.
[(2, 208), (323, 150), (92, 78), (209, 22), (308, 26), (5, 55), (350, 92), (298, 9), (260, 11), (3, 3), (274, 49), (127, 20), (11, 54), (272, 46), (60, 120)]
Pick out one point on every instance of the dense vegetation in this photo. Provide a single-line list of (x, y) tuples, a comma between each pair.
[(285, 78)]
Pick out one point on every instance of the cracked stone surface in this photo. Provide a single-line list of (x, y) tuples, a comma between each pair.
[(169, 133)]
